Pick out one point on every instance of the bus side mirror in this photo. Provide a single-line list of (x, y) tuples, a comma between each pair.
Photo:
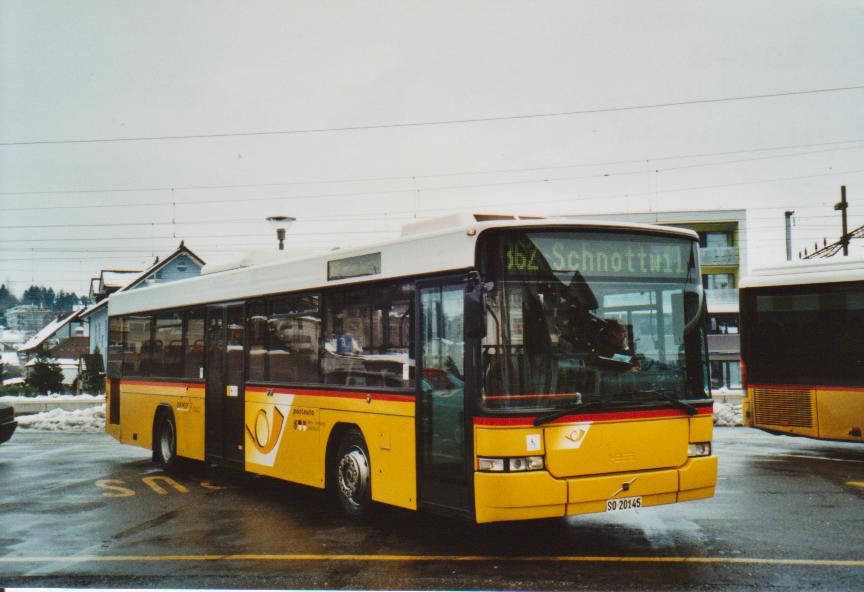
[(475, 307)]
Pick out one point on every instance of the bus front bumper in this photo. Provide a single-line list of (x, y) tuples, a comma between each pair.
[(530, 495)]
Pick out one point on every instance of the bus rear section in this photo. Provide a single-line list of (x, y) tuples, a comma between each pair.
[(595, 385), (802, 344)]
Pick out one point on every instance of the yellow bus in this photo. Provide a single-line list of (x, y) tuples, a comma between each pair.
[(802, 347), (485, 367)]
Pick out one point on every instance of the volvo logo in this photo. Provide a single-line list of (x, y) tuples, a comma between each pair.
[(624, 487)]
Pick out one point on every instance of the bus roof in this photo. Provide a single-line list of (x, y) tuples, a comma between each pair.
[(424, 248), (805, 272)]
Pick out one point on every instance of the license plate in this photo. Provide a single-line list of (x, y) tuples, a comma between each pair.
[(623, 504)]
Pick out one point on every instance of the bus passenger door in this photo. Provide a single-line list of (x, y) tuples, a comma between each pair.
[(223, 409), (443, 472)]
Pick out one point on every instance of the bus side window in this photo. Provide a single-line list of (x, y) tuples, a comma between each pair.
[(167, 345), (194, 340), (347, 336), (293, 329), (368, 337), (256, 326), (136, 356)]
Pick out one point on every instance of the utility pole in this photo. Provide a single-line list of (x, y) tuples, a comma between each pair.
[(789, 234), (842, 205)]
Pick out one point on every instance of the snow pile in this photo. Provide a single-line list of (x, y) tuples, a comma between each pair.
[(53, 397), (724, 390), (91, 419), (727, 414)]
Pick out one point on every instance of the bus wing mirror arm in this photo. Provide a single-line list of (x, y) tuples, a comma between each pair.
[(475, 306)]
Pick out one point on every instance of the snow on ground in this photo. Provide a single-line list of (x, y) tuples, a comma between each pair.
[(90, 419), (727, 414), (52, 397)]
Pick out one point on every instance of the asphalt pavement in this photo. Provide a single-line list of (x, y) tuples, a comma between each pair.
[(82, 510)]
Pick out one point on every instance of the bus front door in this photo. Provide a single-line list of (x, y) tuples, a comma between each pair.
[(223, 406), (443, 472)]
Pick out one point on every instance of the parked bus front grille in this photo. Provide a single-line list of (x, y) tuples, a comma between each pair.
[(783, 407)]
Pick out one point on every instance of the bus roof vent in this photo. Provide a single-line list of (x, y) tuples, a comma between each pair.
[(459, 220), (253, 258)]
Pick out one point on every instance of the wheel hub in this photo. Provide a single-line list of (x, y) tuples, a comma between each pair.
[(353, 475)]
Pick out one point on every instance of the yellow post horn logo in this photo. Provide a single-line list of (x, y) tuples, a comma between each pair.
[(263, 437)]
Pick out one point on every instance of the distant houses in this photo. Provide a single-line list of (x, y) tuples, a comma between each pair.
[(64, 339), (28, 318), (73, 339)]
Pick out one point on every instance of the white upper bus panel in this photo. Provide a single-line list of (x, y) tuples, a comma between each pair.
[(806, 272), (448, 244)]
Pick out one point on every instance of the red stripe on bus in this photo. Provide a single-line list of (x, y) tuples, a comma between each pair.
[(529, 421), (547, 396), (155, 383), (338, 394), (288, 390), (854, 389)]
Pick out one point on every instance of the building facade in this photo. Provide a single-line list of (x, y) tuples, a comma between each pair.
[(721, 236), (28, 318)]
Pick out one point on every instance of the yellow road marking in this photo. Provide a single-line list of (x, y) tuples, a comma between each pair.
[(855, 483), (468, 558), (151, 482), (114, 488)]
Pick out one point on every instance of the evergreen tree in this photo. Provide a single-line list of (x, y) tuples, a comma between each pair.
[(60, 302), (32, 295), (48, 297), (65, 301), (7, 298), (46, 375)]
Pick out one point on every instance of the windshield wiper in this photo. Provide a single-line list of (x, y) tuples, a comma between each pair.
[(690, 409), (547, 417)]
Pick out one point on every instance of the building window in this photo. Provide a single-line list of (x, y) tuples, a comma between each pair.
[(712, 239), (723, 324), (725, 375), (718, 281)]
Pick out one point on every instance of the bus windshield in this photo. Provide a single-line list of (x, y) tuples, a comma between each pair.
[(591, 316)]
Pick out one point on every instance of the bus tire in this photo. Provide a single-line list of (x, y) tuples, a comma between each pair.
[(165, 441), (353, 475)]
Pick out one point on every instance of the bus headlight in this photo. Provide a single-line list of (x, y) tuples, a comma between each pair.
[(490, 464), (699, 449), (515, 464)]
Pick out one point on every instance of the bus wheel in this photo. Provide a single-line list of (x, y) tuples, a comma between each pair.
[(165, 443), (352, 475)]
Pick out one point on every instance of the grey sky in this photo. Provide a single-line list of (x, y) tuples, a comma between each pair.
[(99, 70)]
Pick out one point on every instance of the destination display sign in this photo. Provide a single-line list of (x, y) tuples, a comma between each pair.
[(563, 254), (350, 267)]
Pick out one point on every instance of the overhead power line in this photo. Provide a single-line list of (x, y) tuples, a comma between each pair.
[(643, 161), (418, 191), (497, 203), (430, 123)]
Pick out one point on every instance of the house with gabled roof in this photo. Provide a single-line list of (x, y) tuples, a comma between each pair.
[(180, 264)]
